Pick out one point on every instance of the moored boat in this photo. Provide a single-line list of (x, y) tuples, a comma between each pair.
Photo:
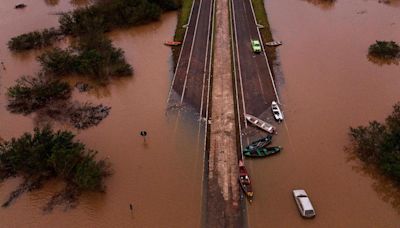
[(260, 143), (173, 43), (278, 115), (274, 43), (244, 180), (262, 152), (260, 123)]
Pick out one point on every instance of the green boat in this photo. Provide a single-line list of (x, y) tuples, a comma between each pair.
[(260, 143), (261, 152)]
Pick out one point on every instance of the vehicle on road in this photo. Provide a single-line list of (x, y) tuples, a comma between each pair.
[(259, 143), (278, 115), (303, 203), (256, 46), (244, 180), (260, 123), (261, 152)]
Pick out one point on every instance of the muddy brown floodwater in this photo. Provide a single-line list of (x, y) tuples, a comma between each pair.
[(327, 85), (162, 178)]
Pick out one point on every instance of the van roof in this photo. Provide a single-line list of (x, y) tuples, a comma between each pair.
[(306, 203)]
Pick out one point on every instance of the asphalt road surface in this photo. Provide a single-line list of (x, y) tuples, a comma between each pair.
[(192, 71)]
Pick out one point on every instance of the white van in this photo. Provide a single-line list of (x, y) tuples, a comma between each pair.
[(303, 203)]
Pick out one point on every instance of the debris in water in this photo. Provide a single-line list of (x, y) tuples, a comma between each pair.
[(20, 6)]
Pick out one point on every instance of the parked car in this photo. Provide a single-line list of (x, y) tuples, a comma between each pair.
[(256, 46), (303, 203)]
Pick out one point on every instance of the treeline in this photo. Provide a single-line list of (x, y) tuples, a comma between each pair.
[(102, 16), (46, 155), (379, 143), (112, 14)]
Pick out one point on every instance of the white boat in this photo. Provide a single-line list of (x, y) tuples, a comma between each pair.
[(274, 43), (260, 123), (278, 115)]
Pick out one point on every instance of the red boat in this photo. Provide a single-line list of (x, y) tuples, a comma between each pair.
[(173, 43), (244, 180)]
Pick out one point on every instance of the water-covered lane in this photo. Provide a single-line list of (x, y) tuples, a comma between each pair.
[(328, 84)]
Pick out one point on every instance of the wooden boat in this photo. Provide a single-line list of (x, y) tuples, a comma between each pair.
[(260, 123), (260, 143), (261, 152), (173, 43), (274, 43), (278, 115), (244, 180)]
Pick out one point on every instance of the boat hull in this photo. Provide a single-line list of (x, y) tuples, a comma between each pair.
[(262, 152), (244, 181), (260, 123), (260, 143)]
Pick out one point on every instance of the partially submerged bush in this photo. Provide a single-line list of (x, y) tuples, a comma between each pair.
[(32, 40), (93, 56), (384, 49), (106, 15), (47, 154), (378, 144), (32, 93)]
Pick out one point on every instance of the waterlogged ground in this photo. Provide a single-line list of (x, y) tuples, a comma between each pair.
[(327, 85), (161, 178)]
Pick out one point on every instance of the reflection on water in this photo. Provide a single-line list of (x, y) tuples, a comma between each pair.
[(394, 3), (323, 4), (386, 188), (381, 62), (51, 2)]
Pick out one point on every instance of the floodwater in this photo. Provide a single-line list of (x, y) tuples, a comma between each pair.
[(162, 178), (326, 85)]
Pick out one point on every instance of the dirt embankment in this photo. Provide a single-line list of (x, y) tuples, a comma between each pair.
[(223, 188)]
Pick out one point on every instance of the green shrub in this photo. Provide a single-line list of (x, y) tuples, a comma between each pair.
[(47, 154), (93, 56), (384, 49), (33, 93), (32, 40), (379, 144)]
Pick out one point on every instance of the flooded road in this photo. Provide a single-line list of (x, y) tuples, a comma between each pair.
[(327, 85), (161, 178)]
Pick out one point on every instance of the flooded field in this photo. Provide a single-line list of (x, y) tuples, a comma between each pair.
[(327, 85), (161, 178)]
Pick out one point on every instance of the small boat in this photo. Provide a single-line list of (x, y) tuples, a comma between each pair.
[(260, 123), (20, 6), (262, 152), (244, 180), (278, 115), (173, 43), (274, 43), (260, 143)]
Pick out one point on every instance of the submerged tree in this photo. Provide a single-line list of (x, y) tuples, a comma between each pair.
[(379, 144), (47, 154), (93, 55), (33, 93), (384, 49), (32, 40)]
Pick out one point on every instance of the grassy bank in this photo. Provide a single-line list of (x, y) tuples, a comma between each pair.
[(183, 19), (266, 33)]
